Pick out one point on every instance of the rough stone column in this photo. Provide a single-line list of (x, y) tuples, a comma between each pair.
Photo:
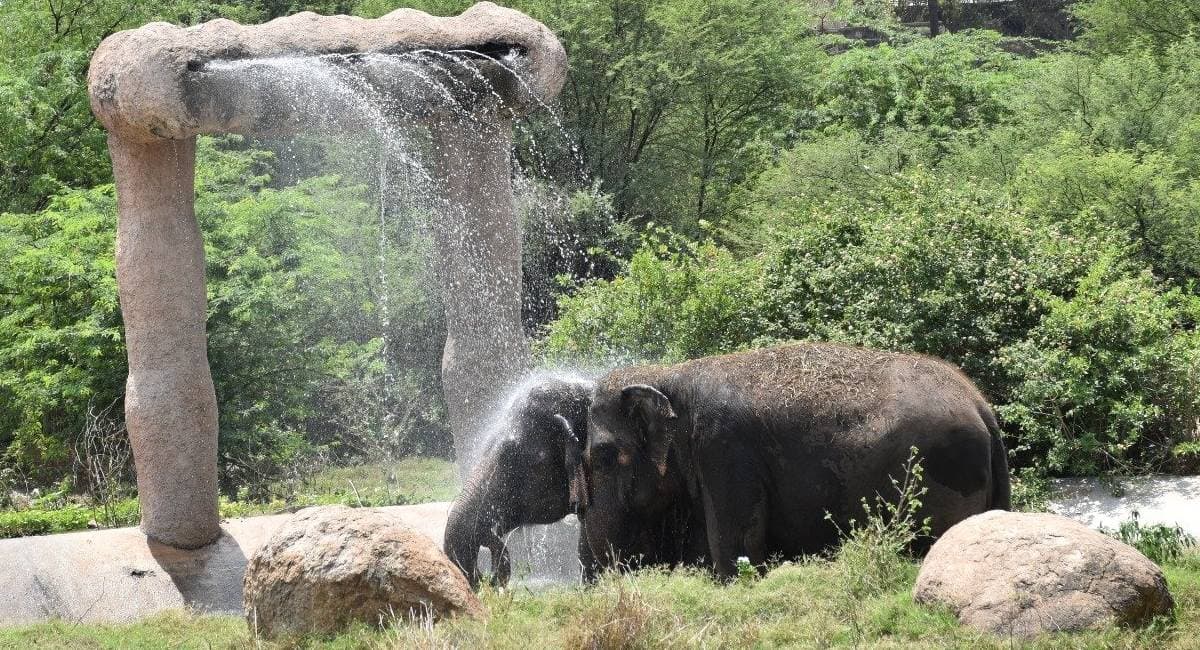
[(170, 405), (478, 245)]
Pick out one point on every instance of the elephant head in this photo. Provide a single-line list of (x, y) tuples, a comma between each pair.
[(525, 476), (630, 486)]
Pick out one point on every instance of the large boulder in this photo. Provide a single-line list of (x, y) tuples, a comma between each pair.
[(1022, 574), (329, 566)]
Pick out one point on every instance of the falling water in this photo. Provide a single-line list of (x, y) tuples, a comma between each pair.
[(388, 97)]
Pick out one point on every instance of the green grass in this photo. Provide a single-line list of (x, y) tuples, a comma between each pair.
[(409, 480), (796, 605), (406, 481)]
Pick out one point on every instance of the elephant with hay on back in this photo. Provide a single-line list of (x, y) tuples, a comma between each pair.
[(745, 455)]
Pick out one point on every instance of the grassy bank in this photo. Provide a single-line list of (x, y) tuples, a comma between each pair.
[(406, 481), (798, 605), (804, 605)]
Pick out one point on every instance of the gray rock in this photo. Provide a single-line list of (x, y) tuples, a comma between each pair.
[(327, 567), (1023, 574)]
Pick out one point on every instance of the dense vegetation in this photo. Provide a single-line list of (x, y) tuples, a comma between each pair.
[(738, 178)]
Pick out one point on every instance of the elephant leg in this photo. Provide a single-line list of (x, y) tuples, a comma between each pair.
[(735, 512), (501, 563), (586, 561)]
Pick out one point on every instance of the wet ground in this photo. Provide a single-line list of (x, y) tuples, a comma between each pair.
[(1168, 500)]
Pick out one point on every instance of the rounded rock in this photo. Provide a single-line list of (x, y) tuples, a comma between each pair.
[(1023, 574), (328, 567)]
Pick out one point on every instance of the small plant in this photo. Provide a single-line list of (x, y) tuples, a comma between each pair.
[(1030, 490), (1158, 542), (746, 573), (872, 558), (102, 460), (1187, 456)]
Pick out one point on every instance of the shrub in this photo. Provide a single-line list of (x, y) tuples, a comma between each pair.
[(43, 521), (1158, 542), (914, 264), (61, 337), (872, 559), (1105, 382), (676, 300), (945, 88)]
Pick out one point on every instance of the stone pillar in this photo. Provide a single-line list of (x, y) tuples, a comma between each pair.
[(170, 404), (478, 248)]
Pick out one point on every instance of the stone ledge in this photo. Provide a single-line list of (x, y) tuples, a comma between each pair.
[(119, 575)]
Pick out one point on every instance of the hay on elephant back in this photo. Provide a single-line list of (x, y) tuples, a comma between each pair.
[(821, 378)]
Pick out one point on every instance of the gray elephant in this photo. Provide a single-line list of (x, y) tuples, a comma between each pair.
[(744, 454), (524, 476)]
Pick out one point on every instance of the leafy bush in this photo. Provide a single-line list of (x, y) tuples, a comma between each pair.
[(61, 336), (1106, 381), (1117, 25), (950, 87), (676, 300), (1158, 542), (1142, 201), (913, 264), (42, 521)]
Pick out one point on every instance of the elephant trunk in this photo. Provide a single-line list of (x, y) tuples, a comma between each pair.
[(472, 523), (463, 526)]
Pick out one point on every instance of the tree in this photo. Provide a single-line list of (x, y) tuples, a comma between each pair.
[(1116, 25)]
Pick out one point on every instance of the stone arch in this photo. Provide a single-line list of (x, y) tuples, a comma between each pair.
[(153, 90)]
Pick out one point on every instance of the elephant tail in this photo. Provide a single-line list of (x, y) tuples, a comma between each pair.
[(1001, 482)]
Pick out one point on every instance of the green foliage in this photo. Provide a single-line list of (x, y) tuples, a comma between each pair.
[(48, 139), (1160, 543), (947, 88), (916, 264), (677, 299), (568, 237), (47, 521), (1095, 105), (667, 99), (746, 573), (1031, 490), (1139, 199), (1106, 380), (1117, 25), (295, 338), (61, 343)]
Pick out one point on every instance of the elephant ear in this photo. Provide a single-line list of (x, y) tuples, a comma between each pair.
[(578, 488), (654, 409)]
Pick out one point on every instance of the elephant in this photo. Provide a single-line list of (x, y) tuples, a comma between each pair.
[(524, 476), (770, 453)]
